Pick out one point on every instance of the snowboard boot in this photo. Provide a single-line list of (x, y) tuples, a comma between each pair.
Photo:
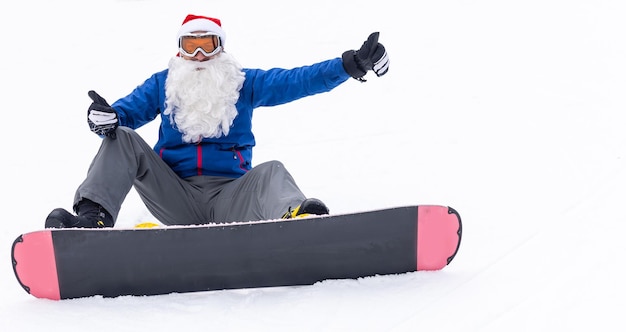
[(89, 215), (308, 207)]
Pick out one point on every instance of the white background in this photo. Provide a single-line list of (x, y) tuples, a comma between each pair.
[(512, 112)]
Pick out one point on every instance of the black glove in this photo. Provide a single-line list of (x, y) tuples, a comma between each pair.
[(101, 117), (371, 56)]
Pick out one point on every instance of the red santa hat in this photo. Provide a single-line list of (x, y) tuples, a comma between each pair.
[(202, 23)]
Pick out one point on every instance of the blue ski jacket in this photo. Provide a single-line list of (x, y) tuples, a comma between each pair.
[(231, 155)]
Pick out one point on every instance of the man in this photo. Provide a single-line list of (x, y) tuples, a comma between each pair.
[(200, 169)]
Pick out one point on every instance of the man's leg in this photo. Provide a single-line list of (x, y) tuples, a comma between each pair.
[(128, 160), (265, 192)]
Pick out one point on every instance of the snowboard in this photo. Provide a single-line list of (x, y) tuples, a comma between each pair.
[(72, 263)]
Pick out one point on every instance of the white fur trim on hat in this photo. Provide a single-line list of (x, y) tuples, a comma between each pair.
[(202, 24)]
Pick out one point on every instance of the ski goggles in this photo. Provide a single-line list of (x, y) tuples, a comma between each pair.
[(192, 43)]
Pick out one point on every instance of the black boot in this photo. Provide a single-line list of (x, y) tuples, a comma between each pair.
[(308, 207), (89, 215)]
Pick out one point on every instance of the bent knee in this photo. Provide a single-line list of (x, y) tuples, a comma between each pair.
[(121, 132), (125, 131), (272, 164)]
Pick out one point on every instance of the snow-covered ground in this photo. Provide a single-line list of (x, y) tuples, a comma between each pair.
[(512, 112)]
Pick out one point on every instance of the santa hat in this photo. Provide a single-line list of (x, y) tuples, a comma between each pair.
[(202, 23)]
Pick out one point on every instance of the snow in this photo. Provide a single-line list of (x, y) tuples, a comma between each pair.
[(510, 112)]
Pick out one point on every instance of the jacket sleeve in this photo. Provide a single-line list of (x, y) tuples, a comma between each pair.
[(279, 86), (144, 103)]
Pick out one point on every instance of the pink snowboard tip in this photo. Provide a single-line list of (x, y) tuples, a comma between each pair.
[(35, 266), (438, 236)]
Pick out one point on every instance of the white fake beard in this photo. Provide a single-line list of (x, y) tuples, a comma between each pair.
[(200, 97)]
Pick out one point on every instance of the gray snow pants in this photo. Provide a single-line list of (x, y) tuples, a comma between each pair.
[(265, 192)]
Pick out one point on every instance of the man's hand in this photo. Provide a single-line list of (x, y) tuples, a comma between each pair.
[(101, 117), (371, 56)]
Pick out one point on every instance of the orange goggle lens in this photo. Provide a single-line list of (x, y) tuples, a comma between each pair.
[(208, 44)]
